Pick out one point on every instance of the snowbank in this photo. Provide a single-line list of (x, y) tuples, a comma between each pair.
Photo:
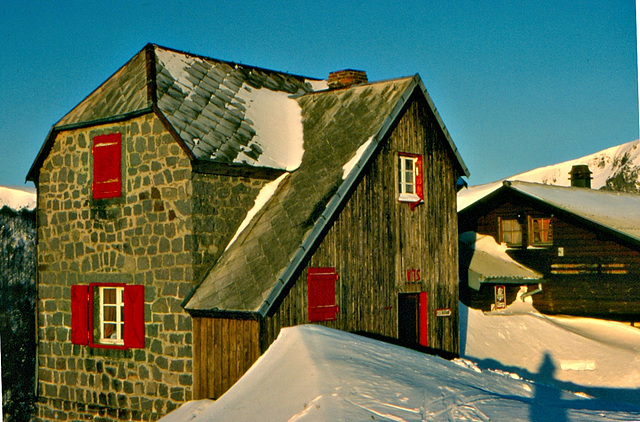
[(316, 373), (18, 198)]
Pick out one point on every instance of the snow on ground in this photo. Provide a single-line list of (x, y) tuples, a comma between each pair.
[(518, 366), (17, 198)]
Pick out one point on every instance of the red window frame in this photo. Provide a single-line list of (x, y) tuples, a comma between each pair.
[(107, 166), (321, 294), (82, 316)]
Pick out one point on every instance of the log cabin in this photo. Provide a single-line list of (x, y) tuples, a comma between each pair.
[(190, 207), (581, 247)]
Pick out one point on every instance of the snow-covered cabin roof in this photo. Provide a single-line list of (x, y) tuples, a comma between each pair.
[(486, 261), (614, 212)]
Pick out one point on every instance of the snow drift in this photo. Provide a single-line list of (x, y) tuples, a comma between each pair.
[(316, 373)]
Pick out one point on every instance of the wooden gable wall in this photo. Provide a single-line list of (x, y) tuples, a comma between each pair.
[(376, 241)]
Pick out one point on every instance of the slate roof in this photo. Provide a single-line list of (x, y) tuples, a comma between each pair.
[(209, 104), (238, 116), (614, 212)]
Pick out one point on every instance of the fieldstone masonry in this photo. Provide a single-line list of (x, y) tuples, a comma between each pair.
[(163, 232)]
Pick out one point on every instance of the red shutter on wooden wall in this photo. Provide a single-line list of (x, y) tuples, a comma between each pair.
[(133, 335), (424, 338), (321, 295), (80, 314), (419, 178), (107, 174)]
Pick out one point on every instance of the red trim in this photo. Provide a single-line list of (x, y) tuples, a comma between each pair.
[(424, 338)]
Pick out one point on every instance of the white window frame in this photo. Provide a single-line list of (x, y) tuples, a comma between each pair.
[(118, 339), (407, 188)]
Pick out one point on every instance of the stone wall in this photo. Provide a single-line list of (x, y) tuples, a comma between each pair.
[(143, 237)]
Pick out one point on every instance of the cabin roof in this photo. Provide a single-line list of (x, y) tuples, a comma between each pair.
[(616, 212), (486, 261)]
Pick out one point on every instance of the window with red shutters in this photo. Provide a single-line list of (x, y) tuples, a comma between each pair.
[(410, 180), (321, 295), (107, 162), (108, 315)]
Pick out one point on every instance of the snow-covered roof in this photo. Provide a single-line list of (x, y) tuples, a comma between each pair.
[(616, 212), (488, 262)]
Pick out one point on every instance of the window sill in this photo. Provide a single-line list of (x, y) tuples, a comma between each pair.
[(408, 197)]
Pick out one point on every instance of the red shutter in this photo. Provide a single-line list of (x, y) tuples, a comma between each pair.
[(424, 339), (80, 314), (419, 177), (134, 316), (322, 294), (107, 174)]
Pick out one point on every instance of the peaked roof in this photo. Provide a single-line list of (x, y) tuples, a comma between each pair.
[(614, 212), (236, 116), (218, 111)]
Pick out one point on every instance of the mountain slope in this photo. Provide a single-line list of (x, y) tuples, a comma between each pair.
[(616, 168)]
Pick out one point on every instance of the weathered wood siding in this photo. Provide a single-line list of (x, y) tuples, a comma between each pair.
[(376, 239), (607, 271), (224, 349)]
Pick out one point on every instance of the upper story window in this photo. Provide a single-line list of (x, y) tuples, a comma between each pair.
[(107, 163), (510, 232), (540, 231), (108, 315), (410, 178)]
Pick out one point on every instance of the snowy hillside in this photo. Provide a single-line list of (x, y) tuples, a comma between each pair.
[(556, 369), (616, 168), (17, 198)]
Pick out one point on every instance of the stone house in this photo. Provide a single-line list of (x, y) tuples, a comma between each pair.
[(190, 207)]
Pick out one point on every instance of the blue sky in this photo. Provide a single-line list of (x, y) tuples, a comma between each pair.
[(519, 85)]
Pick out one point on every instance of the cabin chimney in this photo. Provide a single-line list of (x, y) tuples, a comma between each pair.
[(580, 176), (346, 78)]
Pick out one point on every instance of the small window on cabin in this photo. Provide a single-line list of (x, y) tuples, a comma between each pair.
[(109, 315), (510, 232), (540, 231), (410, 178), (321, 294), (107, 163)]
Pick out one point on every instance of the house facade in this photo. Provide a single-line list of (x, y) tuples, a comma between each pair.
[(188, 208), (584, 243)]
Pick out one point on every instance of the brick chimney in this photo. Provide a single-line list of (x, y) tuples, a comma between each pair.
[(346, 78), (580, 176)]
